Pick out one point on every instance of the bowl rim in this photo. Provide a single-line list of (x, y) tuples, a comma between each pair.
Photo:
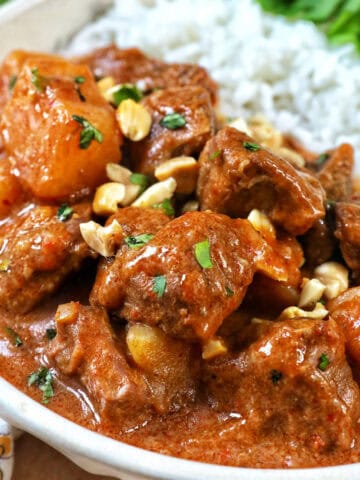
[(68, 437)]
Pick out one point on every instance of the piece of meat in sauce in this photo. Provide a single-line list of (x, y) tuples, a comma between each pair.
[(38, 251), (237, 176), (194, 105), (336, 173), (134, 221), (348, 233), (86, 346), (164, 283), (345, 309), (292, 385), (131, 65), (54, 155)]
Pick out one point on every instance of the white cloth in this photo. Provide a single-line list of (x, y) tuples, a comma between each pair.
[(6, 451)]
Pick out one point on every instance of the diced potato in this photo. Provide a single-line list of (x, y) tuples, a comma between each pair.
[(10, 189), (43, 137)]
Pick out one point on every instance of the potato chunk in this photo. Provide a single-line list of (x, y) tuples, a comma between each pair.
[(58, 130)]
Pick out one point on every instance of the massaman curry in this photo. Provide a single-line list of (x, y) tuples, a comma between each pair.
[(170, 278)]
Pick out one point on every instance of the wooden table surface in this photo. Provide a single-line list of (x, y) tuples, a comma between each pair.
[(36, 461)]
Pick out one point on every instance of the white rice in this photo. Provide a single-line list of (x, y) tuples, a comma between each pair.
[(263, 64)]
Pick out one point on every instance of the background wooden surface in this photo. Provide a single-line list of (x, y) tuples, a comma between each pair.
[(36, 461)]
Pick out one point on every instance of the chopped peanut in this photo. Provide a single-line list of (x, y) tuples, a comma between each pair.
[(134, 120), (156, 194), (214, 348), (102, 239), (183, 169), (311, 293), (318, 313), (334, 276)]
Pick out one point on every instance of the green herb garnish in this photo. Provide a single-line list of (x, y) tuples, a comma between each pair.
[(127, 91), (44, 380), (172, 121), (64, 212), (202, 254), (12, 82), (252, 147), (16, 340), (215, 154), (229, 292), (139, 179), (323, 362), (138, 241), (166, 207), (51, 333), (80, 80), (37, 80), (159, 285), (275, 376), (88, 132), (321, 159), (338, 19), (4, 265)]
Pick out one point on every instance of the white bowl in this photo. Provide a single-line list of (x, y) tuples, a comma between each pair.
[(42, 25)]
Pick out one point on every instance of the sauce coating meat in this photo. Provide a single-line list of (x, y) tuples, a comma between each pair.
[(227, 335)]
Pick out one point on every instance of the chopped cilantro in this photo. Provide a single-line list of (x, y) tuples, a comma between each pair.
[(88, 132), (202, 254), (172, 121), (51, 333), (4, 265), (126, 91), (44, 380), (275, 376), (323, 362), (215, 154), (80, 80), (159, 285), (16, 340), (37, 80), (12, 82), (252, 147), (64, 212), (139, 179), (138, 241), (166, 207), (229, 292)]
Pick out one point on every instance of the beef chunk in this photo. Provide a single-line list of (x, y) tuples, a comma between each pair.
[(193, 300), (345, 309), (193, 103), (134, 221), (38, 251), (87, 347), (234, 179), (319, 242), (293, 384), (42, 138), (130, 65), (348, 232), (335, 174)]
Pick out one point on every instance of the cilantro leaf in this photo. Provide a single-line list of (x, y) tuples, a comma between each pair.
[(138, 241), (44, 380), (127, 91), (172, 121), (202, 254), (166, 207), (64, 212), (159, 285), (16, 340), (88, 132)]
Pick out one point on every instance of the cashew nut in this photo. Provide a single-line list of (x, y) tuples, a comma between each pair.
[(183, 169), (334, 276), (156, 193), (134, 120), (261, 223), (311, 293), (102, 239)]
